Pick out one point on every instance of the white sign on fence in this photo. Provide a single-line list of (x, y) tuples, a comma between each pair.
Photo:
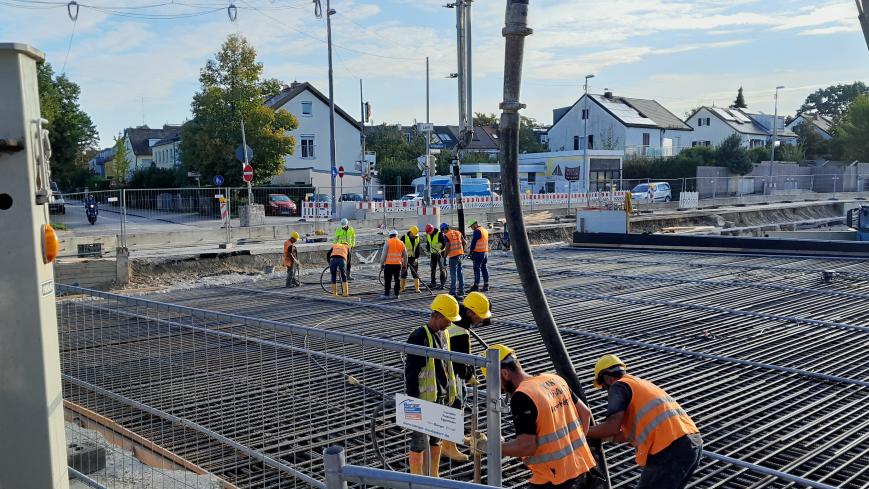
[(112, 199), (430, 418)]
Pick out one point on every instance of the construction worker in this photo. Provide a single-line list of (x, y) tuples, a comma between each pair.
[(480, 255), (337, 259), (394, 261), (411, 244), (455, 250), (431, 379), (436, 246), (668, 442), (346, 235), (291, 260), (550, 423)]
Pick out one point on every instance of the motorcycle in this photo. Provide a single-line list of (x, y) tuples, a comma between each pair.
[(91, 210)]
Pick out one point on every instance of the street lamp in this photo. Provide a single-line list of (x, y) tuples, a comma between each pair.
[(775, 128), (318, 12), (586, 114)]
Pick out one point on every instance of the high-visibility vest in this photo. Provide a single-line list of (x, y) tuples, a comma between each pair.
[(346, 236), (455, 332), (653, 419), (482, 244), (288, 249), (562, 452), (340, 250), (454, 243), (394, 251), (434, 243), (411, 244), (428, 380)]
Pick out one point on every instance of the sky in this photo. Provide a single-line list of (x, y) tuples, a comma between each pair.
[(139, 60)]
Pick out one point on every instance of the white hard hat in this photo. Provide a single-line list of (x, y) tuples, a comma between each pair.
[(344, 222), (393, 233)]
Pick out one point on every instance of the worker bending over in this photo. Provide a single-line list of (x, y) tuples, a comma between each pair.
[(668, 443), (550, 423), (346, 235), (480, 255), (394, 260), (411, 244), (455, 250), (431, 379), (337, 259), (436, 246), (291, 260)]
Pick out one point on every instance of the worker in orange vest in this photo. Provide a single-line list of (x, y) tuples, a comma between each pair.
[(455, 251), (550, 423), (394, 261), (668, 442), (291, 260), (337, 259), (480, 256)]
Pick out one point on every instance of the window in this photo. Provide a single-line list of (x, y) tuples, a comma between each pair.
[(646, 139), (591, 141), (575, 143), (584, 114), (307, 143), (700, 122), (532, 177), (307, 108), (707, 121)]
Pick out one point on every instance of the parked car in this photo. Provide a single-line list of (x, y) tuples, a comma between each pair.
[(281, 205), (652, 192), (351, 197), (319, 198), (411, 197), (56, 203)]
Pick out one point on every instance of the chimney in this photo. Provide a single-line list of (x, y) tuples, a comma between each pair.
[(608, 94)]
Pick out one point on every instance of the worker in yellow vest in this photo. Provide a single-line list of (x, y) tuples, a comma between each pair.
[(394, 261), (337, 259), (668, 442), (411, 244), (455, 250), (431, 379), (436, 245), (291, 260), (345, 234), (480, 256), (550, 423)]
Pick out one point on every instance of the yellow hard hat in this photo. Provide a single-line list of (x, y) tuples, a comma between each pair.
[(504, 351), (295, 235), (414, 230), (447, 305), (479, 303), (603, 363)]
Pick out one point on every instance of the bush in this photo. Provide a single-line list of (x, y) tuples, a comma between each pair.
[(759, 154), (731, 154), (154, 177)]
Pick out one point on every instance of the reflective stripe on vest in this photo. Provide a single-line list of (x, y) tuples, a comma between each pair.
[(339, 250), (653, 419), (482, 244), (562, 452), (394, 251), (454, 243), (434, 244), (411, 244), (428, 381)]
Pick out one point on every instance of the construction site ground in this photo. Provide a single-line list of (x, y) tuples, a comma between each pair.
[(766, 355)]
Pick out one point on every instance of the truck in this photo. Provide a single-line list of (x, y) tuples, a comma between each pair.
[(442, 187)]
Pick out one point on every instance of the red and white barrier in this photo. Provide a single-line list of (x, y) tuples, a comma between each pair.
[(316, 210)]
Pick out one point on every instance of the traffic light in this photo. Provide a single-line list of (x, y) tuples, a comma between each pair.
[(372, 171)]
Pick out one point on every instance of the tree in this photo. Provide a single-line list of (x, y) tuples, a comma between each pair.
[(482, 119), (813, 145), (852, 131), (731, 154), (232, 91), (833, 101), (739, 103), (120, 164), (71, 130), (528, 142), (758, 154)]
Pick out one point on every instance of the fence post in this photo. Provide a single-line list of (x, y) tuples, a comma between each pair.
[(228, 194), (493, 418), (123, 218), (333, 459)]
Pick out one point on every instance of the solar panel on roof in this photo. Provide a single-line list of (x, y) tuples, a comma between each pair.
[(725, 114), (741, 117)]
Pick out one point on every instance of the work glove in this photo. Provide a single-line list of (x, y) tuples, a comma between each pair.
[(473, 381), (481, 442)]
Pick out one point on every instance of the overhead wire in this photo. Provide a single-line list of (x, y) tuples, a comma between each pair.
[(74, 18)]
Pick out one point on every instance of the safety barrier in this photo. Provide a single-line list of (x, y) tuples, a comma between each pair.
[(316, 210)]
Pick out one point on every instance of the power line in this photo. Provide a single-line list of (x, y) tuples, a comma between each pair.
[(69, 44)]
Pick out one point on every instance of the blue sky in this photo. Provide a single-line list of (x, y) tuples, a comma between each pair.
[(684, 53)]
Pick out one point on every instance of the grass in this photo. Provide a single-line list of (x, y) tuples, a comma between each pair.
[(59, 226)]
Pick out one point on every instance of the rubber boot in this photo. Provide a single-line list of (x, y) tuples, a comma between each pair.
[(416, 285), (435, 466), (403, 285), (485, 288), (335, 290), (452, 452), (415, 460), (346, 287), (474, 288)]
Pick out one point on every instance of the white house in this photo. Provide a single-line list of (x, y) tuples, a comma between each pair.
[(632, 125), (166, 152), (311, 163), (712, 125), (822, 124), (139, 142)]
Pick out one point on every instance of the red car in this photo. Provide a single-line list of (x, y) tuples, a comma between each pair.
[(281, 205)]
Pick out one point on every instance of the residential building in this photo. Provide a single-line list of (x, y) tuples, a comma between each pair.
[(614, 123), (310, 164), (485, 140), (821, 124), (712, 125), (167, 152), (101, 163), (139, 142)]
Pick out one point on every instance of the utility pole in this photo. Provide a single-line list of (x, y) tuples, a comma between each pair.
[(363, 165), (863, 16), (246, 162), (318, 12), (775, 128), (515, 31), (463, 77), (586, 116), (428, 164)]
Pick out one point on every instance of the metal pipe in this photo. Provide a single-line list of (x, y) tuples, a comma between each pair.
[(493, 418), (74, 474)]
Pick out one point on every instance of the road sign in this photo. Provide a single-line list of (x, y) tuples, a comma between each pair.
[(239, 154), (217, 180), (341, 172), (334, 172), (425, 127), (247, 174), (572, 174), (430, 418)]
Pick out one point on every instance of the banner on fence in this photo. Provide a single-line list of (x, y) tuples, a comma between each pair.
[(430, 418)]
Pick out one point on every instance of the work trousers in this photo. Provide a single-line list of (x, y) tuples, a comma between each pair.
[(580, 482), (391, 273), (418, 440), (672, 467), (336, 265), (293, 275), (481, 267), (413, 266), (456, 275), (349, 260), (437, 263)]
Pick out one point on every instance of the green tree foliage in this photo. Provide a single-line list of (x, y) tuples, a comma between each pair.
[(71, 131), (790, 152), (396, 155), (528, 142), (683, 165), (154, 177), (232, 91), (731, 154), (813, 145), (758, 154), (852, 131), (120, 164), (833, 101), (739, 103)]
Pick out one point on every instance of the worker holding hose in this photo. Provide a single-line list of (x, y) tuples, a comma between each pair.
[(668, 442), (480, 255), (411, 244), (455, 249), (550, 423), (346, 235), (394, 261), (337, 259), (431, 379), (291, 260), (436, 245)]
